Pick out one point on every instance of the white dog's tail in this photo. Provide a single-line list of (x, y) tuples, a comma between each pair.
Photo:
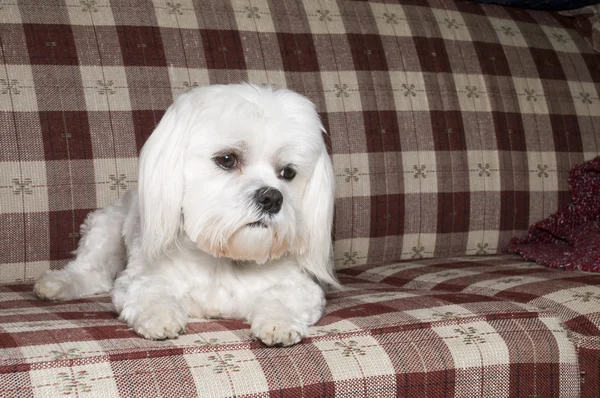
[(100, 257)]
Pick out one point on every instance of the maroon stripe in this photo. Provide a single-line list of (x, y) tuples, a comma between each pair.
[(529, 379), (141, 46), (386, 215), (509, 131), (223, 49), (50, 44), (441, 383), (587, 325), (144, 122), (432, 54), (7, 340), (453, 214), (589, 362), (367, 52), (66, 135), (16, 368), (298, 52), (216, 326), (325, 389), (16, 288), (381, 131), (161, 373), (58, 336), (66, 224), (29, 301), (46, 316), (145, 354), (448, 130)]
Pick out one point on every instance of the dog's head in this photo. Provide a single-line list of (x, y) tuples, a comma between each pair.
[(242, 171)]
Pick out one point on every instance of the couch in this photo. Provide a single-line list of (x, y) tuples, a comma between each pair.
[(452, 127)]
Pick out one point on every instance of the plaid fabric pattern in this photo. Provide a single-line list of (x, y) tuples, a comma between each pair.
[(573, 296), (452, 128), (376, 340), (453, 125)]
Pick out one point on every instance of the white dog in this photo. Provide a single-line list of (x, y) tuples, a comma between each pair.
[(231, 219)]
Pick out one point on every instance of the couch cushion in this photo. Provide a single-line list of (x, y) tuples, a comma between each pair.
[(452, 125), (376, 340), (573, 296)]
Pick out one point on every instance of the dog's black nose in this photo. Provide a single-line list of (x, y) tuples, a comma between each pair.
[(269, 199)]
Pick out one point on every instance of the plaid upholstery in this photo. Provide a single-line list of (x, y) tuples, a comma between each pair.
[(452, 127), (573, 296), (376, 340)]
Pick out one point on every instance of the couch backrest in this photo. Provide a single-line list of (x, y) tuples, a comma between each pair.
[(453, 125)]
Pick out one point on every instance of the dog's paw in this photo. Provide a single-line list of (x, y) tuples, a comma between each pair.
[(55, 285), (160, 322), (275, 332)]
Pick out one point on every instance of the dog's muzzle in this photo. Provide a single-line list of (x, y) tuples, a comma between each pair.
[(269, 200)]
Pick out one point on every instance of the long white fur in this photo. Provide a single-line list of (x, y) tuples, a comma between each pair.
[(180, 246)]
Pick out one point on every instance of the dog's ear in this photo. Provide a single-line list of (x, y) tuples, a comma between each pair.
[(160, 179), (317, 213)]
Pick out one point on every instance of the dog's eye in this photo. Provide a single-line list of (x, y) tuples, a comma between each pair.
[(227, 161), (287, 173)]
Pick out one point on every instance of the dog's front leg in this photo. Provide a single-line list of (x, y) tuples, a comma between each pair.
[(147, 302), (282, 314)]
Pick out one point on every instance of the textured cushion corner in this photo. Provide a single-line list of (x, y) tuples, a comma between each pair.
[(572, 296)]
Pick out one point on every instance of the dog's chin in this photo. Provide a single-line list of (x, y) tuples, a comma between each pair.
[(252, 242)]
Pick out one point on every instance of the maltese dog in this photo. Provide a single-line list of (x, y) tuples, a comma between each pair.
[(231, 218)]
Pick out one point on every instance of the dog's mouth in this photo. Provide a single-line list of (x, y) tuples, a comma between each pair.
[(257, 224)]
